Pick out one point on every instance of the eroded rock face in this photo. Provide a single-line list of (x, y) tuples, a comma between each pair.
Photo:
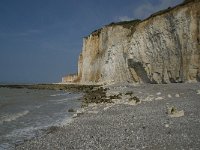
[(70, 78), (103, 56), (161, 49)]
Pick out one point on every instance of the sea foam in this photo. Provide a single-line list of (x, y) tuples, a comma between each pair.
[(12, 117)]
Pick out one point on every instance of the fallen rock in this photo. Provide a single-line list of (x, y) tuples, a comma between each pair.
[(173, 112), (177, 114)]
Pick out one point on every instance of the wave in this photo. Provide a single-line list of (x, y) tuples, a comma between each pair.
[(18, 136), (64, 122), (61, 94), (38, 106), (59, 101), (12, 117)]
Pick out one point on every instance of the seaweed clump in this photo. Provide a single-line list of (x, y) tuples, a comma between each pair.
[(136, 99), (96, 95)]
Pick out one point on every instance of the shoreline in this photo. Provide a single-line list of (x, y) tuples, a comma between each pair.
[(51, 86), (25, 105), (165, 117)]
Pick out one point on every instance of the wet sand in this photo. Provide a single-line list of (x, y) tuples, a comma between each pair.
[(150, 123)]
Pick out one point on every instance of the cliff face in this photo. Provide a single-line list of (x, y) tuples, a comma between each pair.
[(161, 49), (69, 78), (102, 56)]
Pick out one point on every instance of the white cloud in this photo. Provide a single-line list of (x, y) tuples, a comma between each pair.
[(124, 18), (147, 8), (21, 34)]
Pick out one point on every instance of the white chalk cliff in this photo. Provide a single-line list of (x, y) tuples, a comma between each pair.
[(163, 48)]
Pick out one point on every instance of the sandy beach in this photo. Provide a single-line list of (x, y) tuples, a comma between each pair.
[(165, 117)]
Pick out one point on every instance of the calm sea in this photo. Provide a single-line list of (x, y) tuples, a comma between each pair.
[(24, 113)]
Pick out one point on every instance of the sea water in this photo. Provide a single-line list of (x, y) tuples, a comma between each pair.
[(25, 113)]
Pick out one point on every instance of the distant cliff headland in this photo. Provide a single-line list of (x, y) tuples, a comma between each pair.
[(164, 48)]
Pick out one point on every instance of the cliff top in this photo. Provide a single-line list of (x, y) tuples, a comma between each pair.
[(161, 12), (132, 23), (126, 24)]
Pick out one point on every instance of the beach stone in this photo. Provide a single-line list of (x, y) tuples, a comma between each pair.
[(149, 98), (167, 125), (173, 112), (159, 98), (198, 92), (177, 114), (169, 96), (159, 93)]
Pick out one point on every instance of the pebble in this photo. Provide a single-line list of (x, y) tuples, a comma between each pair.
[(159, 93), (167, 125), (169, 96), (198, 92), (159, 98)]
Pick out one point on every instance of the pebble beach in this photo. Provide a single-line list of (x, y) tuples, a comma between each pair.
[(166, 117)]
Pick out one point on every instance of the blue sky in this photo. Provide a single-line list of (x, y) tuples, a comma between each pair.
[(40, 40)]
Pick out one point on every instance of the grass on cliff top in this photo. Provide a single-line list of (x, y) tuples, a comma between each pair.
[(96, 32), (126, 24)]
